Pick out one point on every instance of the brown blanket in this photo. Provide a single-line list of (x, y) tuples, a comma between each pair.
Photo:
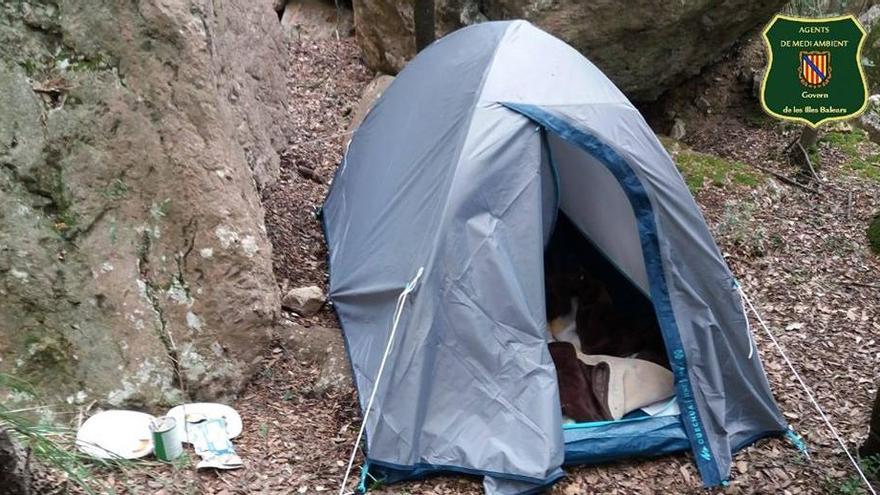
[(598, 388), (632, 383), (581, 386)]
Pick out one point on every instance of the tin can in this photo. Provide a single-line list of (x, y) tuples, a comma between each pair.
[(167, 444)]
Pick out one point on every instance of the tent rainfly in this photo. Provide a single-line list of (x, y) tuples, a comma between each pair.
[(460, 168)]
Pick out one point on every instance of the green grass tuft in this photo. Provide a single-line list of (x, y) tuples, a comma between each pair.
[(65, 221), (51, 444), (739, 227), (698, 169), (847, 142), (852, 145), (869, 167)]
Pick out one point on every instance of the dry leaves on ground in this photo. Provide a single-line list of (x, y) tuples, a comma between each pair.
[(802, 258)]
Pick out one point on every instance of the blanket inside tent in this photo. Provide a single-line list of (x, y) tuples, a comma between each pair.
[(603, 334)]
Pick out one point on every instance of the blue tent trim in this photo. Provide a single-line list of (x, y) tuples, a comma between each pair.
[(557, 189), (615, 440), (644, 213)]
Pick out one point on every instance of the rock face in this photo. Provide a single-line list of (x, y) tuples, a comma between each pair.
[(134, 138), (324, 347), (726, 88), (870, 20), (869, 121), (645, 47), (316, 20)]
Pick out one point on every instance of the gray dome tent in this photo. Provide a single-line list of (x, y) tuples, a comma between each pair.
[(459, 169)]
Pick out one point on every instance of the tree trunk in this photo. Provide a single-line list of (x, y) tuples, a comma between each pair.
[(872, 443), (809, 137), (14, 475), (423, 17)]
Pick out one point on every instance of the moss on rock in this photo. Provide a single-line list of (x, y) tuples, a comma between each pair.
[(46, 361)]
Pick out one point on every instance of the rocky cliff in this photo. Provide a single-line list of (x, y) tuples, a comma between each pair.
[(644, 46), (134, 137)]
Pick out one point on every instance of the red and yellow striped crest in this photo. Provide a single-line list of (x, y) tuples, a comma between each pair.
[(815, 68)]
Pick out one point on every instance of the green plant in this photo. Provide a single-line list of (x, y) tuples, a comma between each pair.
[(30, 67), (65, 221), (117, 189), (54, 445), (869, 167), (854, 485), (871, 466), (375, 484), (738, 225), (49, 443), (183, 462), (849, 486)]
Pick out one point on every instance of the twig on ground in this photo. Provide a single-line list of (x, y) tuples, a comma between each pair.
[(849, 202), (798, 154), (787, 180), (809, 163), (859, 284)]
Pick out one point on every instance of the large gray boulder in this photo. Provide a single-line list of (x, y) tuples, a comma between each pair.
[(369, 95), (323, 348), (644, 46), (134, 139), (870, 20)]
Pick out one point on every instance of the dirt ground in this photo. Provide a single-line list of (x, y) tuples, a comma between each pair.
[(802, 258)]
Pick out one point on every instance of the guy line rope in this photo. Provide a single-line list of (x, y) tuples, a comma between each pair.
[(401, 300), (809, 393)]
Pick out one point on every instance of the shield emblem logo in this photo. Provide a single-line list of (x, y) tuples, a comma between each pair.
[(798, 83), (815, 70)]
